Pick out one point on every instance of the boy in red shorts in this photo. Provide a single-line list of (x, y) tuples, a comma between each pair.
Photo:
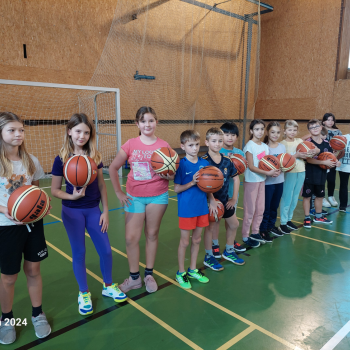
[(192, 207)]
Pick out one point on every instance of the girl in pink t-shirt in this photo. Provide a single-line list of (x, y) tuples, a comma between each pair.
[(146, 197)]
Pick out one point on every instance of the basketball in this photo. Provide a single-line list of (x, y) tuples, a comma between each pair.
[(165, 161), (340, 154), (240, 163), (217, 217), (287, 162), (210, 179), (28, 204), (325, 156), (305, 146), (80, 170), (268, 163), (338, 142)]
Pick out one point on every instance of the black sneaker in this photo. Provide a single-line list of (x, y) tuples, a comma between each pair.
[(216, 251), (307, 223), (322, 220), (291, 226), (257, 237), (266, 237), (284, 229), (342, 209), (251, 243), (238, 248), (276, 232)]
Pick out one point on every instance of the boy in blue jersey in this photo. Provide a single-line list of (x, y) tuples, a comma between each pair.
[(192, 207), (214, 141), (231, 134)]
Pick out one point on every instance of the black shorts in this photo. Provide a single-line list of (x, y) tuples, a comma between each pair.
[(228, 212), (15, 241), (310, 189)]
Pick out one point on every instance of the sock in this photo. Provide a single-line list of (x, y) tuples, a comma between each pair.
[(8, 315), (36, 311), (190, 270), (85, 291), (215, 242), (319, 215), (135, 275), (307, 217), (108, 284), (180, 273), (209, 252), (229, 248), (245, 239), (148, 272)]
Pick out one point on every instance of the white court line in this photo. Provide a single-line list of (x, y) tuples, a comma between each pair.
[(337, 338)]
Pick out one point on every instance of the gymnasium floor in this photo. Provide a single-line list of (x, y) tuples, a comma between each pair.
[(290, 294)]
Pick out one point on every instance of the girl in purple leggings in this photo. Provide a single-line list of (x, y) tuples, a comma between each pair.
[(80, 211)]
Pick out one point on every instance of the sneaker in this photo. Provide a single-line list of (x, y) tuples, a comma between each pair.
[(284, 229), (41, 326), (7, 333), (276, 232), (183, 280), (291, 226), (322, 220), (307, 223), (257, 237), (198, 275), (266, 237), (313, 212), (85, 303), (342, 209), (251, 243), (333, 202), (212, 263), (129, 284), (151, 284), (238, 248), (233, 257), (325, 203), (114, 292), (216, 251)]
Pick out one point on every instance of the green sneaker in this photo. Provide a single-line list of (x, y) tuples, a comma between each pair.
[(198, 275), (183, 281)]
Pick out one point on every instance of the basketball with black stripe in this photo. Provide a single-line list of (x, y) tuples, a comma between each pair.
[(269, 162), (327, 156), (28, 204), (221, 211), (240, 163), (287, 162), (80, 170), (210, 179), (338, 142), (165, 161)]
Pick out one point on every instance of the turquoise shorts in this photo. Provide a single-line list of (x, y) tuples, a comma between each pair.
[(138, 204)]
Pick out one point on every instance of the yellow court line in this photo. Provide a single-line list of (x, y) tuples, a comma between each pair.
[(131, 302), (237, 338)]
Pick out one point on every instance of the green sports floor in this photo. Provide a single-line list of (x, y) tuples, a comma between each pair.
[(291, 294)]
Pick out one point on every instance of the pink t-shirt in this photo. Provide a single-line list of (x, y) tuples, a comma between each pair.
[(142, 180)]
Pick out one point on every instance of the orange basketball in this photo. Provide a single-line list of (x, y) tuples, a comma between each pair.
[(340, 154), (287, 162), (28, 204), (80, 170), (305, 146), (210, 179), (165, 161), (221, 211), (325, 156), (338, 142), (269, 162), (240, 163)]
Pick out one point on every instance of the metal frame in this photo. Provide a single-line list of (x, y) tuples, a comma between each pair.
[(82, 87)]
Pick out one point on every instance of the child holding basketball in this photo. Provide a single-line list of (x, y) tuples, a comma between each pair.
[(231, 133), (214, 141), (146, 199), (254, 184), (192, 207), (18, 168), (273, 185), (315, 176), (80, 211)]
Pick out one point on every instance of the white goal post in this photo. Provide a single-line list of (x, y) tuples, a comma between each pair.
[(46, 108)]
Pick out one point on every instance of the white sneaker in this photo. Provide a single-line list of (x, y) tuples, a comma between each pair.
[(333, 202), (85, 304), (7, 332), (114, 292), (41, 326), (325, 203)]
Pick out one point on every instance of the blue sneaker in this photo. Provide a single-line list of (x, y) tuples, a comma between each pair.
[(257, 237), (233, 257), (251, 243), (212, 263), (313, 212)]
